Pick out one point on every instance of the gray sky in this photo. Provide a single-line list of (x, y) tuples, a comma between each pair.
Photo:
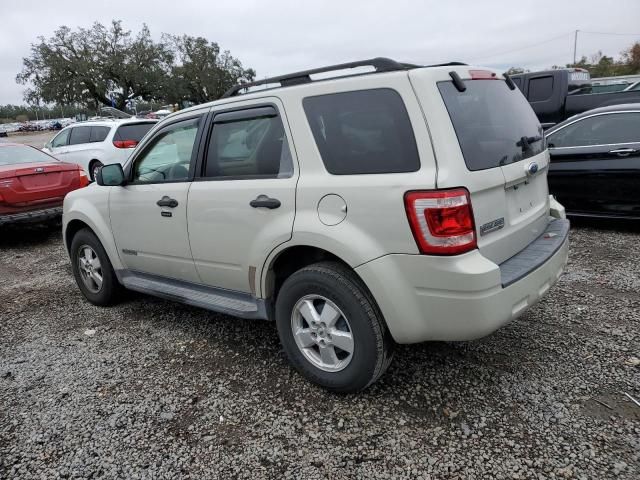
[(278, 36)]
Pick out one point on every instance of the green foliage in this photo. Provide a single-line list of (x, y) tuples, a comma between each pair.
[(203, 72), (600, 65), (102, 64), (10, 113)]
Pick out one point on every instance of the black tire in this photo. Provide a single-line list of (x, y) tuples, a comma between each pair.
[(92, 167), (110, 291), (372, 343)]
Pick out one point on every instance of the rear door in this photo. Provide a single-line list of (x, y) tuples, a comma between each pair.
[(243, 205), (488, 140), (595, 164)]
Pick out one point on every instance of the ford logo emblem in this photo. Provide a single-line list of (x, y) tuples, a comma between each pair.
[(532, 168)]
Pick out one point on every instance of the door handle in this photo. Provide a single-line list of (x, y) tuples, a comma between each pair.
[(262, 201), (623, 152), (167, 202)]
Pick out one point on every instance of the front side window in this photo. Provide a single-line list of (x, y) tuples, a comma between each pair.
[(98, 134), (80, 135), (366, 131), (605, 129), (168, 155), (247, 146), (61, 139)]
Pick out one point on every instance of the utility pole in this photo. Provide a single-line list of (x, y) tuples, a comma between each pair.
[(575, 47)]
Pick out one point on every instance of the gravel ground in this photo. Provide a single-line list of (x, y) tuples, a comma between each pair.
[(35, 139), (151, 389)]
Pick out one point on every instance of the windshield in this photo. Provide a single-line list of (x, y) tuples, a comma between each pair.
[(494, 124), (17, 154)]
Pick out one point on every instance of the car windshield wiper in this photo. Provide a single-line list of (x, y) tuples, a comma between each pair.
[(525, 142)]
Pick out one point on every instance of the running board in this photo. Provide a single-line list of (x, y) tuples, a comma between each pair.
[(234, 303)]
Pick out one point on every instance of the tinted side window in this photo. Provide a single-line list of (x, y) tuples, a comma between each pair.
[(540, 89), (98, 134), (599, 130), (133, 131), (169, 154), (366, 131), (80, 135), (250, 147)]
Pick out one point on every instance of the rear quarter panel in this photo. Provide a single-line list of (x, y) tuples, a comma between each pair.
[(376, 222)]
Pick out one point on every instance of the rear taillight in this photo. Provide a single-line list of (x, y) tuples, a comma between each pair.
[(125, 143), (441, 221), (84, 179)]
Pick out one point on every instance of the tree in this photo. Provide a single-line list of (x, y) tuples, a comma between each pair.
[(516, 70), (203, 72), (109, 65), (631, 57), (100, 65)]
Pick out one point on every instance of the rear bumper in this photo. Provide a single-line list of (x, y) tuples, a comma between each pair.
[(33, 216), (463, 297)]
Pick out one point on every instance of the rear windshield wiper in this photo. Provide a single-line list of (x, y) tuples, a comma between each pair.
[(525, 142)]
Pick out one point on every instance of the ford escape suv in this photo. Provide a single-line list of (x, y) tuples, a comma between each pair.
[(399, 205)]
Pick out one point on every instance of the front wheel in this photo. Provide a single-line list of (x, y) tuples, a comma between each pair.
[(93, 271), (331, 329)]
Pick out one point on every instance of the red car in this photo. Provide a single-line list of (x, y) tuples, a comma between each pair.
[(33, 184)]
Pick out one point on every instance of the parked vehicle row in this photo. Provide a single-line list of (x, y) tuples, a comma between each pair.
[(374, 229), (595, 162), (557, 95), (96, 143)]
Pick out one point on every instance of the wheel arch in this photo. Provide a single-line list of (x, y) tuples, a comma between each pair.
[(90, 165), (73, 227), (291, 259)]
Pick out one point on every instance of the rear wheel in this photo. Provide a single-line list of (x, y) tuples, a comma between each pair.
[(331, 329), (93, 271), (94, 168)]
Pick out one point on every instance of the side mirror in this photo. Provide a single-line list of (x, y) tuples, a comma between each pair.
[(47, 145), (110, 176)]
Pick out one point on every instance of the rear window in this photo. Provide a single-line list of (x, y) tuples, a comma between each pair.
[(367, 131), (133, 131), (17, 154), (490, 121)]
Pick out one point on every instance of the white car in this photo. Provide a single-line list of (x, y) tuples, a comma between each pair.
[(398, 206), (96, 143)]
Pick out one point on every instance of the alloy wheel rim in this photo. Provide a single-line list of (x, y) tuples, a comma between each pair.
[(90, 268), (322, 333)]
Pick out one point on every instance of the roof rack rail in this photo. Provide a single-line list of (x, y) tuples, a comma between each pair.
[(380, 64)]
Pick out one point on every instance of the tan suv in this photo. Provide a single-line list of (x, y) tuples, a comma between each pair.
[(400, 205)]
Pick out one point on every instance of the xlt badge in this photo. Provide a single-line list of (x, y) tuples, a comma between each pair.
[(492, 226)]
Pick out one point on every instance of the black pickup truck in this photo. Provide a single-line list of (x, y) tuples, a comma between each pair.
[(556, 95)]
